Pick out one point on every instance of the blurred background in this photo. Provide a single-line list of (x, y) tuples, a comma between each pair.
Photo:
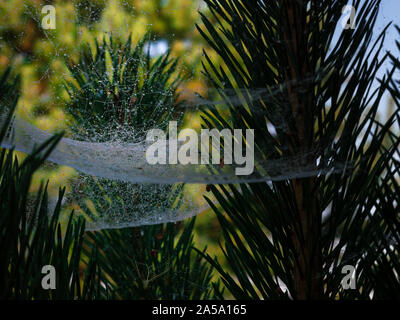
[(39, 55)]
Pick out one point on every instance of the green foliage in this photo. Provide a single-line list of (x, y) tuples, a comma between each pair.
[(147, 263), (30, 234), (283, 239), (118, 93), (298, 233), (37, 53)]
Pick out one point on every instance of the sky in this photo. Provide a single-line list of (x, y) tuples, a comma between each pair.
[(390, 11)]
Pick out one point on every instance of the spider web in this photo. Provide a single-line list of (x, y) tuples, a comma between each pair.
[(115, 185)]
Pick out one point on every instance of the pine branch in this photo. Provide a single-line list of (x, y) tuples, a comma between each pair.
[(291, 238), (31, 238), (123, 100)]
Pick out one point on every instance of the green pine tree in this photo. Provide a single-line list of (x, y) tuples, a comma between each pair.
[(283, 239), (291, 238), (120, 92), (31, 236)]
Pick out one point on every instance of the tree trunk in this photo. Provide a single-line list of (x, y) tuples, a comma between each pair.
[(305, 215)]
